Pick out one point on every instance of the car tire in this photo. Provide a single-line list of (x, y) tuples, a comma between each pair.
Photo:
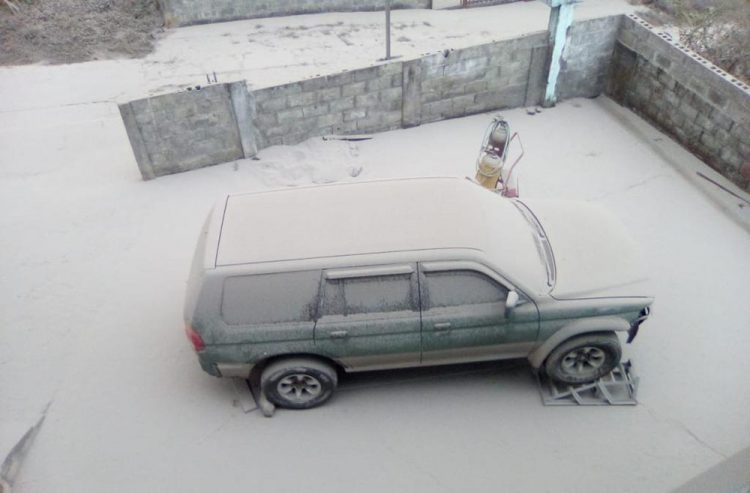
[(584, 359), (298, 383)]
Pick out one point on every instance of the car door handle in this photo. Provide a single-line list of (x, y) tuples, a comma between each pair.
[(339, 334), (442, 326)]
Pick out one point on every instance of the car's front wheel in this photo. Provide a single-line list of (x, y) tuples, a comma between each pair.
[(298, 383), (584, 359)]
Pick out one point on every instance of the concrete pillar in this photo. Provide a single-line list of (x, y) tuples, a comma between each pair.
[(243, 104), (560, 19)]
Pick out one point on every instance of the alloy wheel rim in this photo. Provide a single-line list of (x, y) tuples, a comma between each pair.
[(583, 361), (299, 387)]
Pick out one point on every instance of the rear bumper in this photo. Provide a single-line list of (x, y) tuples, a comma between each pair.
[(241, 370), (633, 331)]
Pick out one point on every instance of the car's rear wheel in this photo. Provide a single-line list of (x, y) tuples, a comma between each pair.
[(584, 358), (298, 383)]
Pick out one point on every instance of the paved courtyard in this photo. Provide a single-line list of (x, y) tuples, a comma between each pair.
[(93, 263)]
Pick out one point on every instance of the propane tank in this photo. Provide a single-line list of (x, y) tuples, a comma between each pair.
[(492, 169), (489, 167)]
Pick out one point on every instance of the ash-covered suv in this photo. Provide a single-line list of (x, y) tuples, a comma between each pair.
[(300, 284)]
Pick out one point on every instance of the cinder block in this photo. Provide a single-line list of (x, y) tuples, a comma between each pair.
[(349, 127), (710, 142), (367, 100), (365, 74), (342, 104), (272, 131), (461, 104), (339, 79), (273, 105), (716, 98), (315, 110), (439, 108), (328, 94), (391, 94), (314, 84), (487, 101), (378, 84), (666, 80), (739, 131), (390, 68), (430, 96), (289, 115), (353, 89), (476, 86), (329, 120), (355, 114), (265, 120), (300, 99), (480, 51)]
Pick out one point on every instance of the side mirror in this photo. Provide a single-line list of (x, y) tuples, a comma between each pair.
[(510, 302)]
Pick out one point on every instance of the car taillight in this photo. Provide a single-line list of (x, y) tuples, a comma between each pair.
[(195, 338)]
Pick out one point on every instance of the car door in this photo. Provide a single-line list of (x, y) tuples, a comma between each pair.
[(465, 318), (369, 317)]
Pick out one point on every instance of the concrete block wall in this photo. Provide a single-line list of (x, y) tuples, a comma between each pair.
[(481, 78), (191, 129), (221, 123), (692, 100), (586, 57), (188, 12), (359, 101)]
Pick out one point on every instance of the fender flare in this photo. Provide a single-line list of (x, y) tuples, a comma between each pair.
[(585, 326)]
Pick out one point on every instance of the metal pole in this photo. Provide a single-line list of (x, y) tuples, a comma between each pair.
[(387, 29)]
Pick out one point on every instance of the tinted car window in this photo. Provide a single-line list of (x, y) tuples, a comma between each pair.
[(270, 298), (463, 287), (375, 294)]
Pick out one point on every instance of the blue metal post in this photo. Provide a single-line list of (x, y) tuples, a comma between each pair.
[(560, 19)]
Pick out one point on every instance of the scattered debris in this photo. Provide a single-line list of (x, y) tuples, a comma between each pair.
[(724, 188), (350, 138)]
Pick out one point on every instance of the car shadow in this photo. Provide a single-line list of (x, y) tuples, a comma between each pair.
[(507, 372)]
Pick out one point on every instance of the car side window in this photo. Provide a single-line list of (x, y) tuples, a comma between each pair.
[(374, 294), (461, 287), (270, 298)]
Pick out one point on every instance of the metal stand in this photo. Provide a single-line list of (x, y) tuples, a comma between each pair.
[(618, 388), (250, 397)]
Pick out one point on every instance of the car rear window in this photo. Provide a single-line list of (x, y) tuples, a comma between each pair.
[(270, 298)]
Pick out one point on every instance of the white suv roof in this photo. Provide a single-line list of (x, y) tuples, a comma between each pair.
[(374, 218)]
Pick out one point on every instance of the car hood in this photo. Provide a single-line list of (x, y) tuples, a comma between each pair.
[(594, 255)]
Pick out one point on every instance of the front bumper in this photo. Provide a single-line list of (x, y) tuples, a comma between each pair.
[(636, 325)]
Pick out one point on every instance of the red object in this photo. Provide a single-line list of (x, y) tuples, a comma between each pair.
[(195, 338)]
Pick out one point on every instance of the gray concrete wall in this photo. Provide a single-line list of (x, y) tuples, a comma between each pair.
[(221, 123), (191, 129), (187, 12), (480, 78), (586, 57), (359, 101), (692, 100)]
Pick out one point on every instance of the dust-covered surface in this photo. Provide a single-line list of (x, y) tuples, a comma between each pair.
[(93, 263), (67, 31), (278, 50)]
